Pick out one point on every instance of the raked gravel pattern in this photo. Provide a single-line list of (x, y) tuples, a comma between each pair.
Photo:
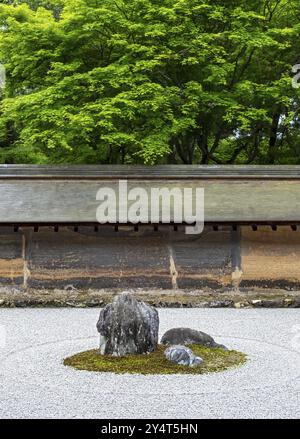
[(35, 384)]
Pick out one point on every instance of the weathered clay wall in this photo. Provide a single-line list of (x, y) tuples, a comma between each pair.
[(150, 259), (270, 258)]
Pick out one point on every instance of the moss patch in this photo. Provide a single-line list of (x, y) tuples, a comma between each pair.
[(215, 360)]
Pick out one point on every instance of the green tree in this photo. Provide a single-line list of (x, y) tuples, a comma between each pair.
[(150, 81)]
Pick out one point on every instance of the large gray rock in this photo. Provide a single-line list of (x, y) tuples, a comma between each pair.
[(128, 326), (182, 355), (186, 336)]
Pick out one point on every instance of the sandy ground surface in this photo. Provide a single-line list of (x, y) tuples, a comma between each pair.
[(35, 384)]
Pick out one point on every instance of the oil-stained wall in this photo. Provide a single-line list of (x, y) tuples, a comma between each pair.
[(150, 259), (270, 258), (126, 258), (11, 257)]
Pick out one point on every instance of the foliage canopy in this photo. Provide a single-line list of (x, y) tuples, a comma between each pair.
[(149, 81)]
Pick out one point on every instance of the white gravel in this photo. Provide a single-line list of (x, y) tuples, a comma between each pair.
[(35, 384)]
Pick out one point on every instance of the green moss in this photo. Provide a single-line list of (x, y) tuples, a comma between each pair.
[(215, 360)]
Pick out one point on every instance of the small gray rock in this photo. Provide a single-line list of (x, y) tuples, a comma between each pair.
[(182, 355), (128, 326), (186, 336)]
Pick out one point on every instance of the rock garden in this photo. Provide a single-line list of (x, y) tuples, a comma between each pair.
[(128, 331)]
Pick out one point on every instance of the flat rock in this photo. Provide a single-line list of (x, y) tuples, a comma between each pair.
[(187, 336), (183, 356), (128, 326)]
